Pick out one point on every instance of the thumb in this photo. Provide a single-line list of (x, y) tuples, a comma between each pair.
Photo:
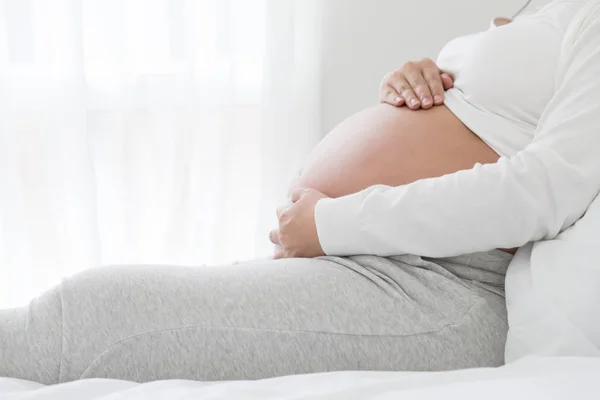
[(298, 193), (447, 81)]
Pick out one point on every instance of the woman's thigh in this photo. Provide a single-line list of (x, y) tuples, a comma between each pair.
[(271, 318)]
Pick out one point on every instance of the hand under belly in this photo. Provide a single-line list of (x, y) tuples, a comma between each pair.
[(392, 146)]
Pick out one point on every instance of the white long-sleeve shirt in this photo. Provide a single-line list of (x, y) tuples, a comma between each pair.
[(531, 195)]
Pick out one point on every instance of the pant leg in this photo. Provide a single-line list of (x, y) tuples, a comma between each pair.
[(253, 320), (31, 340)]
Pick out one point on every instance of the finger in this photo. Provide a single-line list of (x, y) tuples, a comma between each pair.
[(298, 193), (279, 255), (431, 73), (280, 211), (274, 236), (447, 80), (390, 96), (294, 183), (419, 85), (395, 99), (403, 88), (385, 79)]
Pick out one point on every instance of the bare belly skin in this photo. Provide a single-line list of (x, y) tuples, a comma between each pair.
[(392, 146)]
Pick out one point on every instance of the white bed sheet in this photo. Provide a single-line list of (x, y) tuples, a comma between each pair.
[(532, 378)]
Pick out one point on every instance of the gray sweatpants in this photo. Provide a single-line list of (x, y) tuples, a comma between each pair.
[(262, 319)]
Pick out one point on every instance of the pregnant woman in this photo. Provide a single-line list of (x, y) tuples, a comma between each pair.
[(390, 255)]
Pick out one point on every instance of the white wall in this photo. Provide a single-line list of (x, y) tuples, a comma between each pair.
[(364, 39)]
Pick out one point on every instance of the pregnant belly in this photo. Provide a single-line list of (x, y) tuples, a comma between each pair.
[(392, 146)]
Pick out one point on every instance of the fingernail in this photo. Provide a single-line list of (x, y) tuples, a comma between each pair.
[(398, 99), (426, 101), (438, 99), (414, 102)]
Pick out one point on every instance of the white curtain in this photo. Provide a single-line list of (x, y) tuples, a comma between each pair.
[(148, 131)]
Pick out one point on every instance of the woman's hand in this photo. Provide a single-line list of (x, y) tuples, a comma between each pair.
[(417, 85), (297, 233)]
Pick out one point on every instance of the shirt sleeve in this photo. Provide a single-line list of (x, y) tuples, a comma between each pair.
[(532, 196)]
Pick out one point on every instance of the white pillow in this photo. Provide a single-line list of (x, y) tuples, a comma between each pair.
[(553, 294)]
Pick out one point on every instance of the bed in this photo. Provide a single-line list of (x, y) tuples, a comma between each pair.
[(530, 378)]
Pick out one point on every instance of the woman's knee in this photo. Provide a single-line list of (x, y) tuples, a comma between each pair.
[(31, 339)]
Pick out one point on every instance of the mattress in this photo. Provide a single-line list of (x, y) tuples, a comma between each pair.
[(532, 378)]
